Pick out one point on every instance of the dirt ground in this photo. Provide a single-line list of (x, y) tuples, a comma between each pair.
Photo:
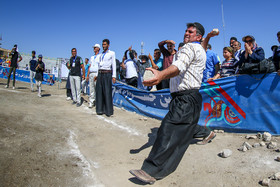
[(49, 142)]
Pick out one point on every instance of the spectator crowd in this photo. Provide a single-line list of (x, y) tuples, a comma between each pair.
[(95, 75)]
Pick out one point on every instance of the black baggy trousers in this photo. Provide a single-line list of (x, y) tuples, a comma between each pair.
[(104, 100), (176, 132)]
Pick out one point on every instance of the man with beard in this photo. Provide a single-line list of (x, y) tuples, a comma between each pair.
[(106, 75)]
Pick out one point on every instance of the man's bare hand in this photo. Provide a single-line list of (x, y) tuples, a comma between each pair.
[(214, 32), (170, 41)]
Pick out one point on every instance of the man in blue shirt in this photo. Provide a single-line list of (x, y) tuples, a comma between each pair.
[(212, 64), (157, 63), (85, 81), (157, 60)]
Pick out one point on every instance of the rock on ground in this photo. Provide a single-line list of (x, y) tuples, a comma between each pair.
[(265, 182), (272, 145), (225, 153), (276, 176), (267, 136)]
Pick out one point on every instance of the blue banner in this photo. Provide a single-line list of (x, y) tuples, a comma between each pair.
[(24, 76), (242, 104)]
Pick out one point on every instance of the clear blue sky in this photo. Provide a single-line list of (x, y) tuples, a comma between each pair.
[(52, 28)]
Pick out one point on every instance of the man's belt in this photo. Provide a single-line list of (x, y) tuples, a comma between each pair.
[(104, 71), (183, 92)]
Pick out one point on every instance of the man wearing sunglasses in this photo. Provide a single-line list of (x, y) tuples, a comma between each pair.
[(253, 53), (179, 126)]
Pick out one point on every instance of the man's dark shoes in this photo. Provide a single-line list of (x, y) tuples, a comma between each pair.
[(78, 104), (73, 103), (143, 176), (207, 139)]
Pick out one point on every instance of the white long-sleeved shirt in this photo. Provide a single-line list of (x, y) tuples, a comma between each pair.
[(108, 62), (131, 69), (190, 61)]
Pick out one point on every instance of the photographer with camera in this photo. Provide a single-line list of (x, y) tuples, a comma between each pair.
[(15, 59), (40, 68)]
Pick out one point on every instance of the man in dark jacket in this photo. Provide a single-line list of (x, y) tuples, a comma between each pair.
[(32, 65), (276, 54), (252, 53), (14, 65), (40, 68)]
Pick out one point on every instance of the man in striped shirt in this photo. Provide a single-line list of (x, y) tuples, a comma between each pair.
[(179, 126)]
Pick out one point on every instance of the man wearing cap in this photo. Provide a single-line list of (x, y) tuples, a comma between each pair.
[(92, 74), (32, 65), (106, 75), (15, 59), (179, 126), (168, 55), (39, 68), (75, 65), (252, 53)]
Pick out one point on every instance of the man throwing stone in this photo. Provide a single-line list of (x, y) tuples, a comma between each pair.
[(179, 126)]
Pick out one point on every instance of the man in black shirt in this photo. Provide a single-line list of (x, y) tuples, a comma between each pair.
[(14, 65), (40, 68), (32, 65)]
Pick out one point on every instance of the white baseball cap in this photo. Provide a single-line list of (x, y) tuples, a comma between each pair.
[(96, 45)]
